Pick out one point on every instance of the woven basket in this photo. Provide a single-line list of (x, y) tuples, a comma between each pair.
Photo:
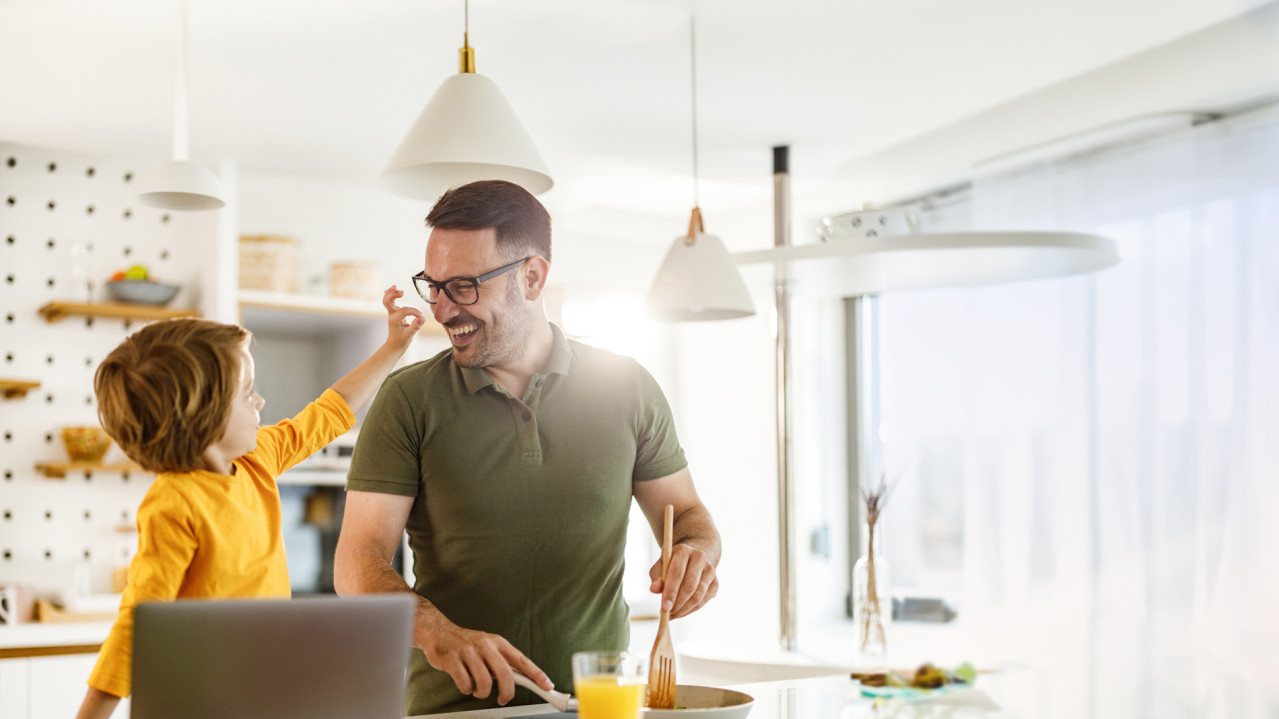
[(269, 262), (362, 279)]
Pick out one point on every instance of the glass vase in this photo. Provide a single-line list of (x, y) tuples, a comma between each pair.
[(872, 597)]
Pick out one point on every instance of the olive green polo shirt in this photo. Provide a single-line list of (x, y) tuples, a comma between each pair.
[(518, 525)]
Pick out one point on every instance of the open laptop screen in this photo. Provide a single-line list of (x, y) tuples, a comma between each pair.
[(247, 658)]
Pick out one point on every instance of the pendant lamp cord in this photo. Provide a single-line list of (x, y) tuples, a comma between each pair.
[(692, 52), (466, 54), (181, 151)]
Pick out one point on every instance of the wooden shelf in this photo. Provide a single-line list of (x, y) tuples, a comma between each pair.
[(55, 311), (309, 314), (58, 470), (16, 388)]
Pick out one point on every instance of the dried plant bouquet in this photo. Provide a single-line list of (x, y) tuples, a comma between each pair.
[(869, 613)]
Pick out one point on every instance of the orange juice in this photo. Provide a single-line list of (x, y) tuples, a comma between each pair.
[(608, 697)]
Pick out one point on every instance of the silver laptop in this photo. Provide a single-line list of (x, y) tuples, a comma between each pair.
[(314, 658)]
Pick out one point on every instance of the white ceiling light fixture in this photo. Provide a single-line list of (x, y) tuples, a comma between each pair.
[(698, 280), (878, 250), (466, 132), (181, 184)]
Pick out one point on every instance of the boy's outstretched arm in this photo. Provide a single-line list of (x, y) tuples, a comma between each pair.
[(97, 704), (358, 385)]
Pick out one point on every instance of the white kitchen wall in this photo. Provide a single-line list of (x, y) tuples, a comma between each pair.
[(67, 221)]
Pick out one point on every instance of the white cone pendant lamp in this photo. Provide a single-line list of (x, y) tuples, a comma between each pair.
[(466, 132), (698, 279), (180, 185)]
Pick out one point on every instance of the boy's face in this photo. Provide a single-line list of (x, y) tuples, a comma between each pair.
[(241, 434)]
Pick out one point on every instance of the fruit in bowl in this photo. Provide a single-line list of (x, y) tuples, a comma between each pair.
[(85, 444), (134, 285)]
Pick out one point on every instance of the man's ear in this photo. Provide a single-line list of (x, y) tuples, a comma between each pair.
[(535, 273)]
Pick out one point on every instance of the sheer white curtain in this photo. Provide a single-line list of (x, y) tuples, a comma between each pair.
[(1113, 439)]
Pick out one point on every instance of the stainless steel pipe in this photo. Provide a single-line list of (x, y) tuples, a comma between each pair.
[(785, 486)]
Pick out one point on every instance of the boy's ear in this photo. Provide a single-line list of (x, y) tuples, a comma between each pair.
[(535, 274)]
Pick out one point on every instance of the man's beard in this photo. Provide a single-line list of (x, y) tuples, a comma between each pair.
[(501, 341)]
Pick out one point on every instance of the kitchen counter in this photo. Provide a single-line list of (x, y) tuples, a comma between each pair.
[(78, 632), (40, 640), (829, 697)]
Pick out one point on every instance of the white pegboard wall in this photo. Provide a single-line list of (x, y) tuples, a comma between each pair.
[(59, 210)]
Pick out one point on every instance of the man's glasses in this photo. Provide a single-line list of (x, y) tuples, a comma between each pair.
[(460, 290)]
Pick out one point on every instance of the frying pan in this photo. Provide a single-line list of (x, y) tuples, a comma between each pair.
[(696, 702)]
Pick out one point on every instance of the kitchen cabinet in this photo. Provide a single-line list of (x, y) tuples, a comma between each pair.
[(40, 687), (13, 687)]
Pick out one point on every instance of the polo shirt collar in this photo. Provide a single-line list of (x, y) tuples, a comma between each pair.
[(477, 379)]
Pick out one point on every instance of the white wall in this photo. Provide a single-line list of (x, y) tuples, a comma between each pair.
[(52, 204)]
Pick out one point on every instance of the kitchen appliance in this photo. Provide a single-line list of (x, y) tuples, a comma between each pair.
[(336, 455)]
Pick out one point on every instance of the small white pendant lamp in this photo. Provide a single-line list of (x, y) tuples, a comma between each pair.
[(466, 132), (181, 184), (698, 279)]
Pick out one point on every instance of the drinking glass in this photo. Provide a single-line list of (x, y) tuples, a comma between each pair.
[(608, 684)]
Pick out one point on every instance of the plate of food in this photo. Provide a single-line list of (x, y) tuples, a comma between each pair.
[(926, 682)]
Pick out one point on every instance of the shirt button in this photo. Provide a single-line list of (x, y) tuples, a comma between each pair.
[(539, 383), (526, 416)]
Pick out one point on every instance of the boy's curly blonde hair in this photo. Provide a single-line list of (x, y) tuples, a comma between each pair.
[(164, 395)]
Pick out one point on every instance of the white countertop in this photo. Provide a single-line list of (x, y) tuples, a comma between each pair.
[(66, 633), (829, 697), (53, 635)]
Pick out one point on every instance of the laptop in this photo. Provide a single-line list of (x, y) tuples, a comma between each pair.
[(318, 658)]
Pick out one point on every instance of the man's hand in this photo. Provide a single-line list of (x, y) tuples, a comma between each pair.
[(476, 660), (690, 580)]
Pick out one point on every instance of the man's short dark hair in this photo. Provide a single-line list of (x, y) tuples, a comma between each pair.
[(523, 225)]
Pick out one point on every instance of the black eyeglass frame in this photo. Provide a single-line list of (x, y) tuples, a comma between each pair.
[(420, 278)]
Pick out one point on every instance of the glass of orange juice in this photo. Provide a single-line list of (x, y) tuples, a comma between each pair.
[(608, 684)]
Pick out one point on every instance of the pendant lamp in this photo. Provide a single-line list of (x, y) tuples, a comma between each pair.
[(466, 132), (180, 185), (698, 279)]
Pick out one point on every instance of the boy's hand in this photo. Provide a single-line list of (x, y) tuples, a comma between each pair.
[(402, 322)]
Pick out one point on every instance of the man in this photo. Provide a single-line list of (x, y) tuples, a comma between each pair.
[(511, 459)]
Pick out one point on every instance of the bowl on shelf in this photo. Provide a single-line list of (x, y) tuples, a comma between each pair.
[(86, 444), (142, 292)]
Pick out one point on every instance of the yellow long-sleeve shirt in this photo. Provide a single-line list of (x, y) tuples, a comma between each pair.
[(204, 534)]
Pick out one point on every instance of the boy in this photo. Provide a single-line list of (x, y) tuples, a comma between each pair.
[(178, 397)]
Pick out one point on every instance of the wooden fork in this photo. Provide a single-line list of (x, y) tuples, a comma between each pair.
[(661, 663)]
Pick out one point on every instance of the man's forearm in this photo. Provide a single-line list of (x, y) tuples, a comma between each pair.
[(694, 527), (365, 570), (369, 571)]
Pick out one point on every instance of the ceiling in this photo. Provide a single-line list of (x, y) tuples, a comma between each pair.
[(326, 88)]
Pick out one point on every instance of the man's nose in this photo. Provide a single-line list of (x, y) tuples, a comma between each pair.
[(444, 308)]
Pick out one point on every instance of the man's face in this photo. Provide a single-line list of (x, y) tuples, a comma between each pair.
[(493, 332)]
